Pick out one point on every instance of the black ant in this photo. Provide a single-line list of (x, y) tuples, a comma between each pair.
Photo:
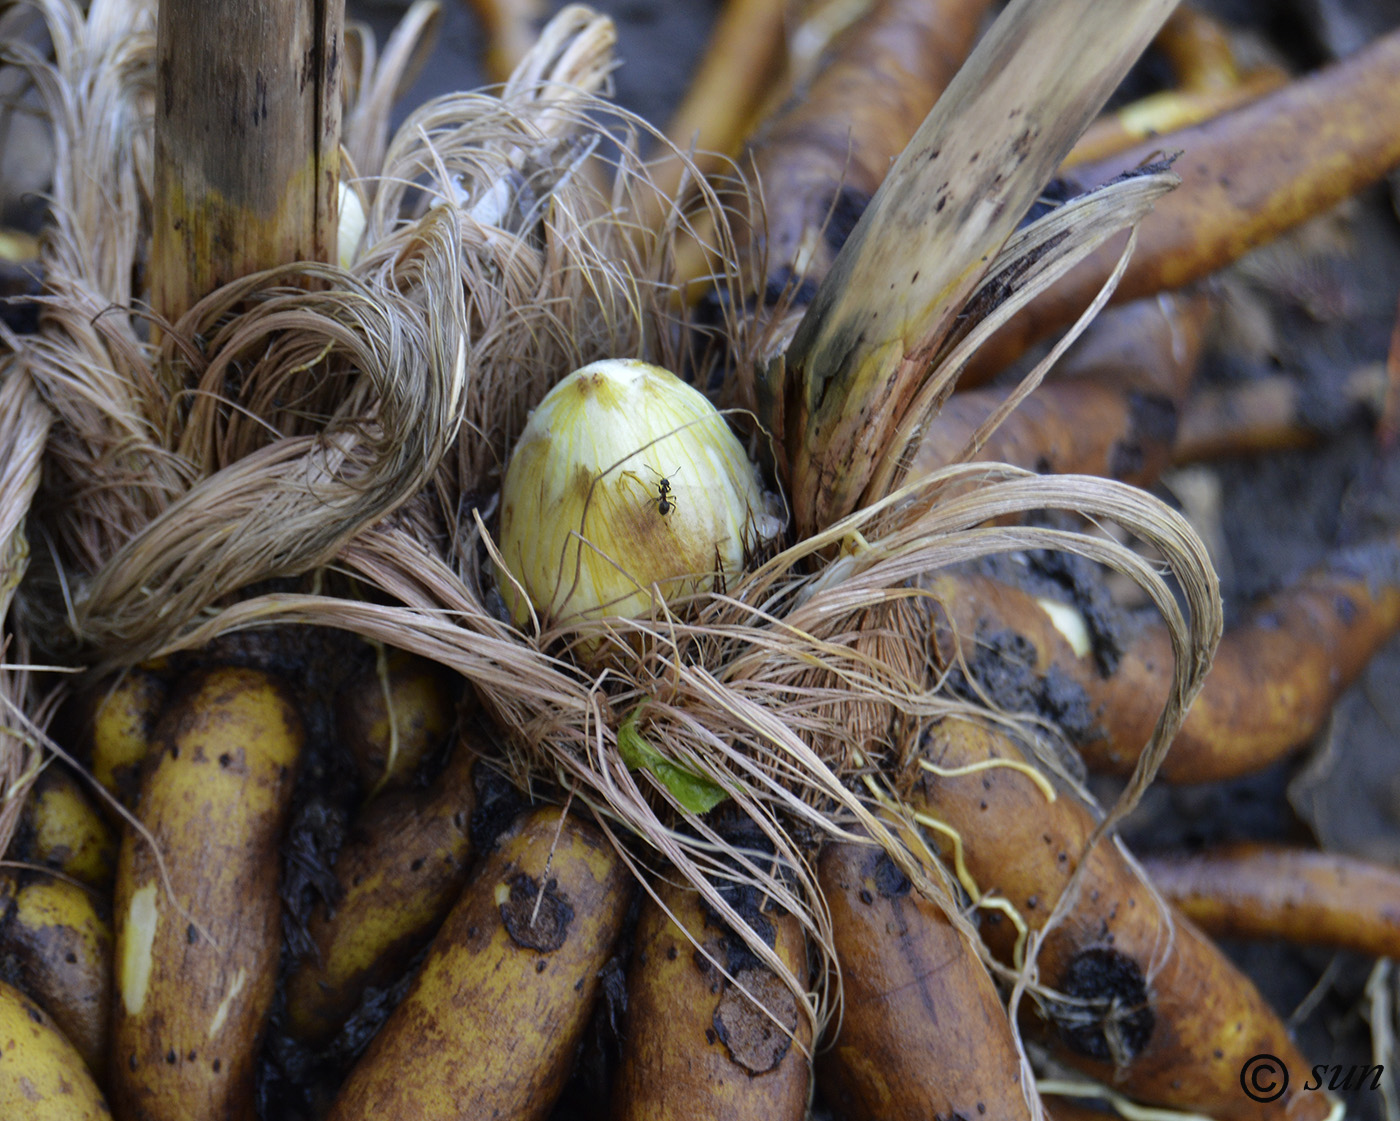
[(665, 498)]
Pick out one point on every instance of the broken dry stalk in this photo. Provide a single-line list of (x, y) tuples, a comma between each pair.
[(1300, 895), (862, 351), (247, 151)]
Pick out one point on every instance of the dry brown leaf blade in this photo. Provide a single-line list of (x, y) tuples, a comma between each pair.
[(1032, 260), (980, 158)]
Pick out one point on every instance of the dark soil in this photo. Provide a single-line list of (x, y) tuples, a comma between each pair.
[(1317, 308)]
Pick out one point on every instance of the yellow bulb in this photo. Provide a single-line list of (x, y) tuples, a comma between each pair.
[(625, 480)]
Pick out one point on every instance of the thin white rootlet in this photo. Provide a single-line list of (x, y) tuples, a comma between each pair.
[(240, 979)]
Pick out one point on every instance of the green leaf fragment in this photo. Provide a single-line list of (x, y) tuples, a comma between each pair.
[(695, 793)]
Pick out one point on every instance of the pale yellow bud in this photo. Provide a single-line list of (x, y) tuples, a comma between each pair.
[(625, 478)]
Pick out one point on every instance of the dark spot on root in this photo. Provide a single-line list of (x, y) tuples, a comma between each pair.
[(1126, 458), (751, 904), (1003, 667), (890, 882), (1152, 422), (783, 287), (1153, 417), (1108, 1016), (751, 1035), (536, 918), (846, 210), (497, 804)]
